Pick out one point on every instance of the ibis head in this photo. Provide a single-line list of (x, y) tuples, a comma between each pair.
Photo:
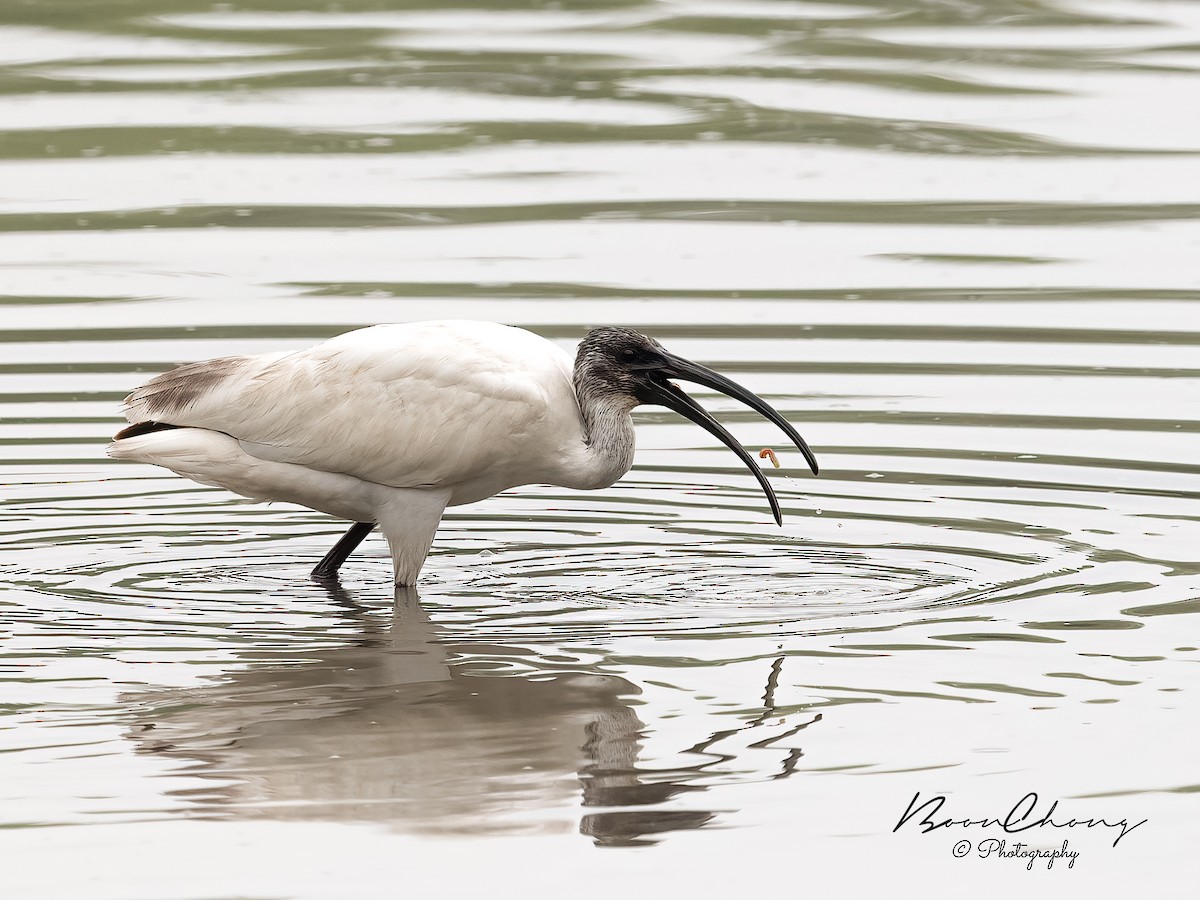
[(620, 363)]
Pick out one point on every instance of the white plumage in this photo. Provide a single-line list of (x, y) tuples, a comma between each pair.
[(393, 423)]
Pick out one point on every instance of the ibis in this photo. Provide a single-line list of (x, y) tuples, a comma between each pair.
[(391, 424)]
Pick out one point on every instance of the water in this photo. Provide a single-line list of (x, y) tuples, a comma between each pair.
[(955, 243)]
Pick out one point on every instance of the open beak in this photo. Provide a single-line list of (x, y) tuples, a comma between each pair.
[(660, 391)]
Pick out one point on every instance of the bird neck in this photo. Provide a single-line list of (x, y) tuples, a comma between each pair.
[(609, 436)]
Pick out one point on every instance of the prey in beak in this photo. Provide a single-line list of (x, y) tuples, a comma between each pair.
[(644, 369)]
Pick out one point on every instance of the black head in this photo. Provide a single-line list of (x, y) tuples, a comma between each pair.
[(619, 360), (623, 362)]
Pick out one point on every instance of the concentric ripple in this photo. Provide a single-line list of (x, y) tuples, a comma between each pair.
[(658, 583), (642, 560)]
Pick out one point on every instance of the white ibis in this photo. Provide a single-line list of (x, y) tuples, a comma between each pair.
[(391, 424)]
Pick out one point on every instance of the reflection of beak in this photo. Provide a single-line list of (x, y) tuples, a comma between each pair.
[(663, 393)]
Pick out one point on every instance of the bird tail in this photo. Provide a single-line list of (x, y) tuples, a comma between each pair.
[(142, 428)]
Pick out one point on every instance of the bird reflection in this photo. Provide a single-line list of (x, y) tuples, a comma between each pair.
[(403, 725)]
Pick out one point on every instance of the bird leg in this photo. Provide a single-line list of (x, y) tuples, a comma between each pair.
[(408, 518), (329, 565)]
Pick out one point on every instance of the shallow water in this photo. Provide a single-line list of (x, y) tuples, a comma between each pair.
[(954, 243)]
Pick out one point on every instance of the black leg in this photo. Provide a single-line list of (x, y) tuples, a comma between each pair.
[(328, 567)]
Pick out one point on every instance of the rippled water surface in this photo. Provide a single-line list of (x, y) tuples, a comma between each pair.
[(956, 243)]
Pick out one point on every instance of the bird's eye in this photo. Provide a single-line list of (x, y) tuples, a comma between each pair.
[(628, 353)]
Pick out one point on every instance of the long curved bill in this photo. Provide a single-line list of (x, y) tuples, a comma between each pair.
[(664, 393)]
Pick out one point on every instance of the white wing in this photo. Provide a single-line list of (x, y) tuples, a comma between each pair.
[(432, 403)]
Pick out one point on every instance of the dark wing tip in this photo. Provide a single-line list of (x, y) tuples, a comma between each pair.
[(142, 428)]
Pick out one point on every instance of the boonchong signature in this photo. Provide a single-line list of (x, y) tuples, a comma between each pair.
[(1022, 817)]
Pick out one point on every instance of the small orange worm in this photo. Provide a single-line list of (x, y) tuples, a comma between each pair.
[(768, 453)]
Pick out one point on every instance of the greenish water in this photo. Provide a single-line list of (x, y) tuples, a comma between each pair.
[(955, 243)]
